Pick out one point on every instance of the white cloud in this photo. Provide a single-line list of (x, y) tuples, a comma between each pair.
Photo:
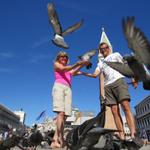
[(40, 42), (40, 57), (5, 70), (6, 55)]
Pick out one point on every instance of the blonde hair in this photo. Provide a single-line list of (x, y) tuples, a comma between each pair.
[(60, 54)]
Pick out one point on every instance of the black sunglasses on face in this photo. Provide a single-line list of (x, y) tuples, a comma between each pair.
[(104, 48)]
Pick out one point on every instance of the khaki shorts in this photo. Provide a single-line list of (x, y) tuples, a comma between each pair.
[(62, 98), (116, 92)]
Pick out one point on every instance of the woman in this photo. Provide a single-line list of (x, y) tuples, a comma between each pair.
[(62, 93)]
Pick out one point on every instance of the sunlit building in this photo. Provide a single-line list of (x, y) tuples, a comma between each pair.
[(21, 115), (78, 117), (8, 119)]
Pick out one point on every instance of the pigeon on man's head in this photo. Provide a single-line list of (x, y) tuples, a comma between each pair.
[(137, 41), (58, 33), (87, 56)]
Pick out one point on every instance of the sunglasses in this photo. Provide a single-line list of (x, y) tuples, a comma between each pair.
[(64, 57), (104, 48)]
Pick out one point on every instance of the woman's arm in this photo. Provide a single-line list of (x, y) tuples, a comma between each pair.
[(76, 70), (60, 67)]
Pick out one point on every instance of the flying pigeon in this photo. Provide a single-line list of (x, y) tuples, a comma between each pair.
[(58, 32), (87, 56), (133, 68), (137, 41)]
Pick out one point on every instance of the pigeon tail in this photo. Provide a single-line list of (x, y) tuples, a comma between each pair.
[(59, 41), (89, 65), (80, 57)]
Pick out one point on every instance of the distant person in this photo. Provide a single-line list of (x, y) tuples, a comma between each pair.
[(62, 93), (144, 137), (115, 88)]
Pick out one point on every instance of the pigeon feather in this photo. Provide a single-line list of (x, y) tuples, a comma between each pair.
[(137, 41)]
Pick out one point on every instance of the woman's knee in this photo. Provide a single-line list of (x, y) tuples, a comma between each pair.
[(61, 114)]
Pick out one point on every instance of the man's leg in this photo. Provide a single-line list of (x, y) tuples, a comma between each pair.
[(118, 120), (129, 117)]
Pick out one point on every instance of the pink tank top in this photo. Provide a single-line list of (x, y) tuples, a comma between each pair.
[(63, 77)]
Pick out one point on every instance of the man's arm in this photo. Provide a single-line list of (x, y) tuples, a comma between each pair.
[(134, 82), (93, 75)]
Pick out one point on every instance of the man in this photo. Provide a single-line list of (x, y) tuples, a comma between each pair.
[(116, 90)]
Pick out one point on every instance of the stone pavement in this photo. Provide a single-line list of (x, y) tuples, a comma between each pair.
[(16, 148), (147, 147)]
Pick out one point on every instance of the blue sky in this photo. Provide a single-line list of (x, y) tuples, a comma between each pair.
[(27, 53)]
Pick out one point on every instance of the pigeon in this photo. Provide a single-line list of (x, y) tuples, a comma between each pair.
[(58, 33), (77, 138), (100, 130), (87, 56), (10, 142), (133, 68), (137, 41), (36, 138)]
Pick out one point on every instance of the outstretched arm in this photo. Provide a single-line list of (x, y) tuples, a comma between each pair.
[(93, 75), (76, 70), (60, 67)]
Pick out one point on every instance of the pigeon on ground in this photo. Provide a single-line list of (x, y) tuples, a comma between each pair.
[(10, 142), (133, 68), (137, 41), (87, 56), (77, 138), (58, 33)]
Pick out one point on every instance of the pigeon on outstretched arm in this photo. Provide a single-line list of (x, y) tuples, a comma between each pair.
[(87, 56), (58, 33), (137, 41)]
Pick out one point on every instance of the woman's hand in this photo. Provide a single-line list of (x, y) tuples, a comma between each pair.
[(82, 62), (79, 73)]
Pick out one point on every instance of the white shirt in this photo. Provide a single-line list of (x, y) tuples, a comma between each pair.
[(110, 74)]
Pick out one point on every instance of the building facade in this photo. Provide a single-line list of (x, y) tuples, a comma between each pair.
[(143, 117), (21, 115), (78, 117), (8, 119)]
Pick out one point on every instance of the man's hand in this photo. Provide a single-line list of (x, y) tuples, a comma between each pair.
[(134, 82)]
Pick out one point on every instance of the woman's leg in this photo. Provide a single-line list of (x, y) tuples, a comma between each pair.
[(60, 127), (55, 143)]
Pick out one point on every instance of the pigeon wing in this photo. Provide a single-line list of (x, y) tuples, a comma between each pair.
[(124, 69), (139, 69), (100, 130), (89, 54), (72, 28), (137, 41), (53, 19), (146, 85)]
